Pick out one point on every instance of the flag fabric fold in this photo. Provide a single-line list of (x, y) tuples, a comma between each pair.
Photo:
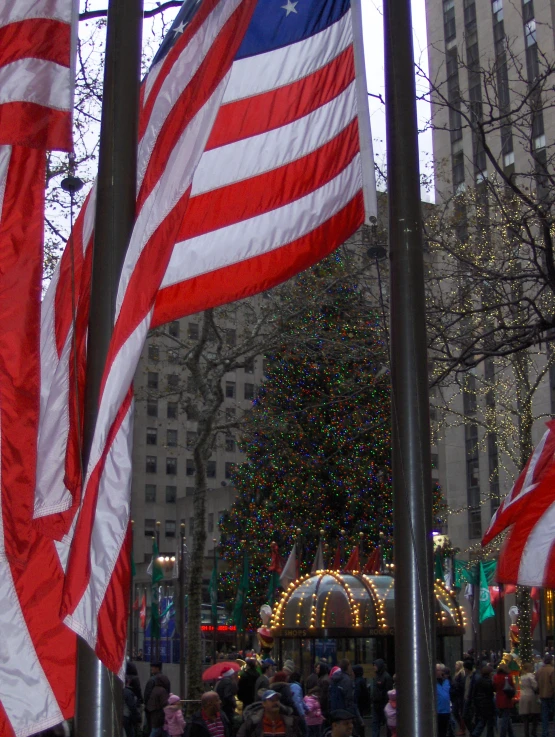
[(38, 652), (374, 562), (289, 573), (353, 564), (485, 609), (266, 199)]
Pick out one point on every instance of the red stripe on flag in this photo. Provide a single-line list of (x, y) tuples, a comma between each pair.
[(244, 200), (33, 38), (259, 114), (261, 272), (114, 612), (36, 126), (21, 238)]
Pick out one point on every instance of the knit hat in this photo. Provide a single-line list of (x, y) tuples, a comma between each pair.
[(289, 666), (334, 670), (173, 699)]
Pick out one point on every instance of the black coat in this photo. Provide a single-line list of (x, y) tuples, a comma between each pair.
[(196, 726), (227, 690), (246, 688), (483, 697)]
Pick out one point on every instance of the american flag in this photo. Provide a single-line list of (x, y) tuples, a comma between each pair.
[(282, 182), (37, 652), (528, 512)]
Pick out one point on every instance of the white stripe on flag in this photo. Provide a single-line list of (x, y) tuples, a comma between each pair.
[(14, 11), (5, 156), (280, 67), (283, 225), (535, 556), (38, 81)]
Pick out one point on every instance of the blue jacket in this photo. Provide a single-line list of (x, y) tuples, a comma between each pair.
[(443, 701)]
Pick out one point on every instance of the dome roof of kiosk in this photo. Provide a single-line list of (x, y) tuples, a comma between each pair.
[(333, 604)]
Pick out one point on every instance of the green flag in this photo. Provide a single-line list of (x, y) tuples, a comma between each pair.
[(272, 588), (438, 568), (213, 591), (486, 609), (242, 591), (157, 574)]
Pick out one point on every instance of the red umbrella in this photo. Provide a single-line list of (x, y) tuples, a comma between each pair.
[(216, 671)]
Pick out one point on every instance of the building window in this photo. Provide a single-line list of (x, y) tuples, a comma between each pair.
[(229, 469), (211, 469), (152, 407), (173, 329), (171, 466), (230, 389), (249, 366), (153, 352), (449, 20), (173, 381), (210, 526), (458, 169), (249, 391), (173, 355), (152, 380), (193, 331), (470, 400), (530, 32), (150, 493), (151, 464), (169, 528), (151, 436), (171, 438), (171, 410), (191, 439), (230, 441), (231, 337), (171, 494), (190, 467), (150, 527), (474, 524)]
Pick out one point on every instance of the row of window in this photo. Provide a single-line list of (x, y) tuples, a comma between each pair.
[(193, 333), (173, 382), (191, 438), (170, 526), (151, 466), (172, 410)]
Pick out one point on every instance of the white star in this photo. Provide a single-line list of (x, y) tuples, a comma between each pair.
[(290, 7), (180, 28)]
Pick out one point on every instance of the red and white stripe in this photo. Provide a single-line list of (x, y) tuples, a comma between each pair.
[(36, 80), (539, 462)]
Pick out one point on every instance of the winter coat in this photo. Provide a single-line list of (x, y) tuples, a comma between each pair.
[(502, 701), (443, 690), (284, 690), (341, 693), (390, 712), (324, 688), (227, 690), (262, 683), (253, 727), (483, 697), (196, 726), (383, 683), (150, 685), (313, 714), (246, 690), (528, 703), (546, 681), (156, 702), (174, 723), (297, 694)]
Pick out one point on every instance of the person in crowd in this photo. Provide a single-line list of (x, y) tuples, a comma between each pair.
[(504, 700), (341, 691), (155, 669), (210, 721), (226, 688), (134, 681), (470, 678), (280, 684), (289, 667), (324, 689), (246, 689), (528, 705), (457, 696), (341, 724), (361, 699), (298, 703), (269, 718), (157, 700), (313, 716), (383, 683), (312, 680), (268, 668), (546, 686), (483, 702), (390, 711), (174, 724), (131, 713), (443, 696)]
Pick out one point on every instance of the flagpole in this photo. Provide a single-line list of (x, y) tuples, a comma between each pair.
[(181, 580), (214, 613), (131, 602), (99, 692), (412, 482)]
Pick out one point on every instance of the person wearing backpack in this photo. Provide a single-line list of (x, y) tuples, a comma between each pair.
[(504, 687)]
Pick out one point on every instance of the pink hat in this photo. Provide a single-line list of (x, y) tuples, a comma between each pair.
[(173, 699)]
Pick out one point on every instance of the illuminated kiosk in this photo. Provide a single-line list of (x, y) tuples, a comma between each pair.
[(336, 615)]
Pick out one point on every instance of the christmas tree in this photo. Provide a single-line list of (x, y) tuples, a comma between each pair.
[(318, 438)]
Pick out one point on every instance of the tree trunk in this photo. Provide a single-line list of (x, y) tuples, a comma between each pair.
[(521, 363)]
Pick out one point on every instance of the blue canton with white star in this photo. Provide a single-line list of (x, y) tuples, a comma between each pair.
[(275, 23)]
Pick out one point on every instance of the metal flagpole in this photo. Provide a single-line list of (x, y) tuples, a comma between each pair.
[(181, 612), (412, 483), (99, 692)]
